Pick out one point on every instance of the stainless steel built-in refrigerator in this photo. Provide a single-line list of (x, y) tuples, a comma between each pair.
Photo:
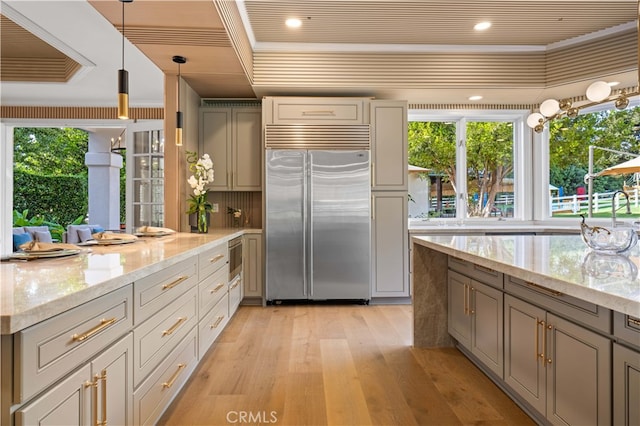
[(317, 225)]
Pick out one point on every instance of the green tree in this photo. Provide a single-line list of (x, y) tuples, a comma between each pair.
[(569, 140), (489, 156), (50, 151), (489, 161)]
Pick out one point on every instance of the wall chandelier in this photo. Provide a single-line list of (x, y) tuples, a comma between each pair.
[(597, 93)]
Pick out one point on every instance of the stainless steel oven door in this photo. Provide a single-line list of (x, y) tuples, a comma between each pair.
[(235, 257)]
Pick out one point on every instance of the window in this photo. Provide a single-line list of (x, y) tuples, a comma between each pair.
[(589, 143), (471, 163)]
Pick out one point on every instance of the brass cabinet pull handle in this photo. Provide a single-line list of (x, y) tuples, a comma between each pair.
[(103, 377), (174, 377), (464, 300), (485, 269), (544, 289), (633, 321), (549, 327), (174, 326), (471, 290), (104, 323), (538, 324), (94, 398), (216, 258), (218, 287), (218, 321), (174, 283), (321, 113), (235, 284), (544, 340)]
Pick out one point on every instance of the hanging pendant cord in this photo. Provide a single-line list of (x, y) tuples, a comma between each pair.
[(122, 35)]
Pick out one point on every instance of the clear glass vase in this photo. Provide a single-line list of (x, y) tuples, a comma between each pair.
[(203, 221)]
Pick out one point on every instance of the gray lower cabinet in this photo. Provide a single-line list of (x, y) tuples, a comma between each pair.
[(626, 386), (475, 319), (252, 268), (99, 392), (557, 367)]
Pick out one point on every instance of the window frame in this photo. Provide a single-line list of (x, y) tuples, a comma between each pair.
[(522, 157)]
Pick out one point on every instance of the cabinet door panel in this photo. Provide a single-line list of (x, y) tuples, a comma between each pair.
[(247, 152), (67, 403), (459, 323), (115, 386), (389, 145), (578, 374), (215, 137), (626, 386), (486, 326), (252, 269), (390, 246), (524, 370)]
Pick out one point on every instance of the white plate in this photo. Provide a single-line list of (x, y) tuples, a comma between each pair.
[(114, 242), (153, 234), (44, 254)]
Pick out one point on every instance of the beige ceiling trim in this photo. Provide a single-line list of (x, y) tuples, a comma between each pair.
[(400, 70), (597, 58), (72, 72), (449, 107), (83, 113), (212, 37), (51, 70), (232, 20)]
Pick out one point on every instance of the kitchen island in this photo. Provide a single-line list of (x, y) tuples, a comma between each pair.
[(113, 332), (554, 324)]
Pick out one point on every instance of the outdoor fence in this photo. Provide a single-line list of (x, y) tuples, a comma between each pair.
[(601, 202)]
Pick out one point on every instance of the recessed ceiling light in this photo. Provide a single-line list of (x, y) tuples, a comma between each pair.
[(293, 23), (475, 98), (613, 83), (481, 26)]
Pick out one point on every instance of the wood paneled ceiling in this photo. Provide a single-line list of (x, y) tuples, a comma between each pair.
[(421, 50), (26, 57)]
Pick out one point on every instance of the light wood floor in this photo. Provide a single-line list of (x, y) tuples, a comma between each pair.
[(335, 365)]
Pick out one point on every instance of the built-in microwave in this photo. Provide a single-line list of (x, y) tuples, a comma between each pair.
[(235, 258)]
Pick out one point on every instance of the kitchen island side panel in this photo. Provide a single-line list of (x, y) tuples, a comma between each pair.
[(430, 298)]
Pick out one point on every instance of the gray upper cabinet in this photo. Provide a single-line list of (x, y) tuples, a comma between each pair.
[(389, 145), (233, 138)]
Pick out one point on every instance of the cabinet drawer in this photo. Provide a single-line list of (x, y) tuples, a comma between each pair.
[(211, 290), (212, 260), (477, 272), (66, 403), (156, 291), (156, 393), (155, 338), (627, 328), (235, 295), (566, 306), (52, 348), (212, 325), (324, 111)]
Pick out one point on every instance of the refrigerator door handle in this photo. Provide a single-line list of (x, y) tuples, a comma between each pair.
[(305, 183), (310, 215)]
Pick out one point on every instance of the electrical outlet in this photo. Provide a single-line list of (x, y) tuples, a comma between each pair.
[(214, 208)]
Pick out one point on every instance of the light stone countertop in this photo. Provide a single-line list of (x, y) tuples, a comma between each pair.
[(35, 290), (558, 262)]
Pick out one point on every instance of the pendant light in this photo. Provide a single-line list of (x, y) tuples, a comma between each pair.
[(123, 78), (179, 60)]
